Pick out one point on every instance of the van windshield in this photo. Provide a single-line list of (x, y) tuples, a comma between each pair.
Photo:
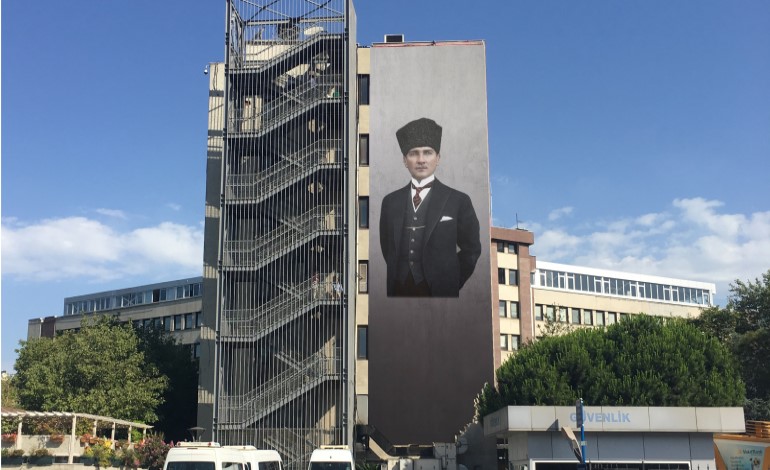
[(190, 466), (330, 466)]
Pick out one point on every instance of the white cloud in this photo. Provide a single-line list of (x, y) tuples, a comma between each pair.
[(118, 214), (174, 207), (78, 247), (557, 214), (693, 239)]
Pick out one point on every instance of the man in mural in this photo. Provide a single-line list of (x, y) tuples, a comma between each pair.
[(429, 232)]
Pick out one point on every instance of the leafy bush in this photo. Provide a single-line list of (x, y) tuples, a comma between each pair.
[(152, 452), (40, 452), (641, 361), (129, 458), (6, 453)]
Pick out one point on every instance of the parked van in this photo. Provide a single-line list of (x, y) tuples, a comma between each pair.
[(203, 456), (332, 458), (257, 459)]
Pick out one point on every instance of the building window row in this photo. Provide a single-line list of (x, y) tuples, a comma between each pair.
[(179, 322), (577, 316), (622, 287), (509, 342), (510, 247), (131, 299), (508, 276), (508, 309)]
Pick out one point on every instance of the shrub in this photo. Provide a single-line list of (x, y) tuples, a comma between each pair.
[(12, 453), (152, 452)]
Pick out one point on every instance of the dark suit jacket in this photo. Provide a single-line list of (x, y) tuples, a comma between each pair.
[(451, 247)]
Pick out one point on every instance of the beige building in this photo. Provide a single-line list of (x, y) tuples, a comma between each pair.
[(528, 293)]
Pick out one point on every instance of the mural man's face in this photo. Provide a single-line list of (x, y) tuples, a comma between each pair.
[(421, 162)]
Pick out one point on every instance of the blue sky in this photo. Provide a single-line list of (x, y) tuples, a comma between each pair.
[(628, 135)]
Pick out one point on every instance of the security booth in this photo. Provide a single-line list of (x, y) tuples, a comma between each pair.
[(616, 437)]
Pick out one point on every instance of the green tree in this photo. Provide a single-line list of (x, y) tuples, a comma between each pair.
[(8, 393), (179, 409), (744, 327), (641, 361), (98, 369)]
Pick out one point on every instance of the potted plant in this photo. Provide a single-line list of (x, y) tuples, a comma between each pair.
[(9, 437), (88, 456), (56, 438), (40, 457), (13, 457), (102, 453)]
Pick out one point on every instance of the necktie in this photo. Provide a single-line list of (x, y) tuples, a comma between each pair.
[(417, 199)]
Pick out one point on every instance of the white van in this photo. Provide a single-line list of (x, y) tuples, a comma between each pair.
[(203, 456), (332, 458), (257, 459)]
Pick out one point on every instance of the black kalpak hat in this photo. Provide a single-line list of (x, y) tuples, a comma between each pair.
[(421, 132)]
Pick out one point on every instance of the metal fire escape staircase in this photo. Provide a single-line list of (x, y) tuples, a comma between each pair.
[(271, 93), (293, 232), (294, 301), (301, 375)]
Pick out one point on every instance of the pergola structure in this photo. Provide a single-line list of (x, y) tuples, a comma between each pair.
[(115, 423)]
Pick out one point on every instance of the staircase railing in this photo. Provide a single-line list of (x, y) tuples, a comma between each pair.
[(299, 98), (257, 186), (281, 389), (298, 299), (293, 231)]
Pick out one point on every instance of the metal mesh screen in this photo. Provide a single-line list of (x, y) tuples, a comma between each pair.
[(281, 338)]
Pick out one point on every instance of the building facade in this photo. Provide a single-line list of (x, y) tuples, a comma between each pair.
[(284, 317), (173, 306)]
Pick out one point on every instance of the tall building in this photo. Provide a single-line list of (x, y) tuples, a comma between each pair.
[(301, 337), (277, 365)]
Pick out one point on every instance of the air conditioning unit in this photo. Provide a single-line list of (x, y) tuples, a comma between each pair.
[(394, 38)]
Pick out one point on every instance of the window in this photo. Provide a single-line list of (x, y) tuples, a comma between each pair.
[(502, 308), (612, 318), (514, 310), (504, 342), (576, 316), (599, 318), (501, 275), (177, 322), (363, 277), (363, 336), (513, 277), (512, 248), (515, 339), (363, 89), (196, 350), (198, 319), (363, 150), (189, 323), (550, 312), (500, 247), (157, 323), (363, 212), (167, 323), (538, 312), (588, 317), (563, 314)]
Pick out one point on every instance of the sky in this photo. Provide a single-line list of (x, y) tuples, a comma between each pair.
[(628, 135)]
